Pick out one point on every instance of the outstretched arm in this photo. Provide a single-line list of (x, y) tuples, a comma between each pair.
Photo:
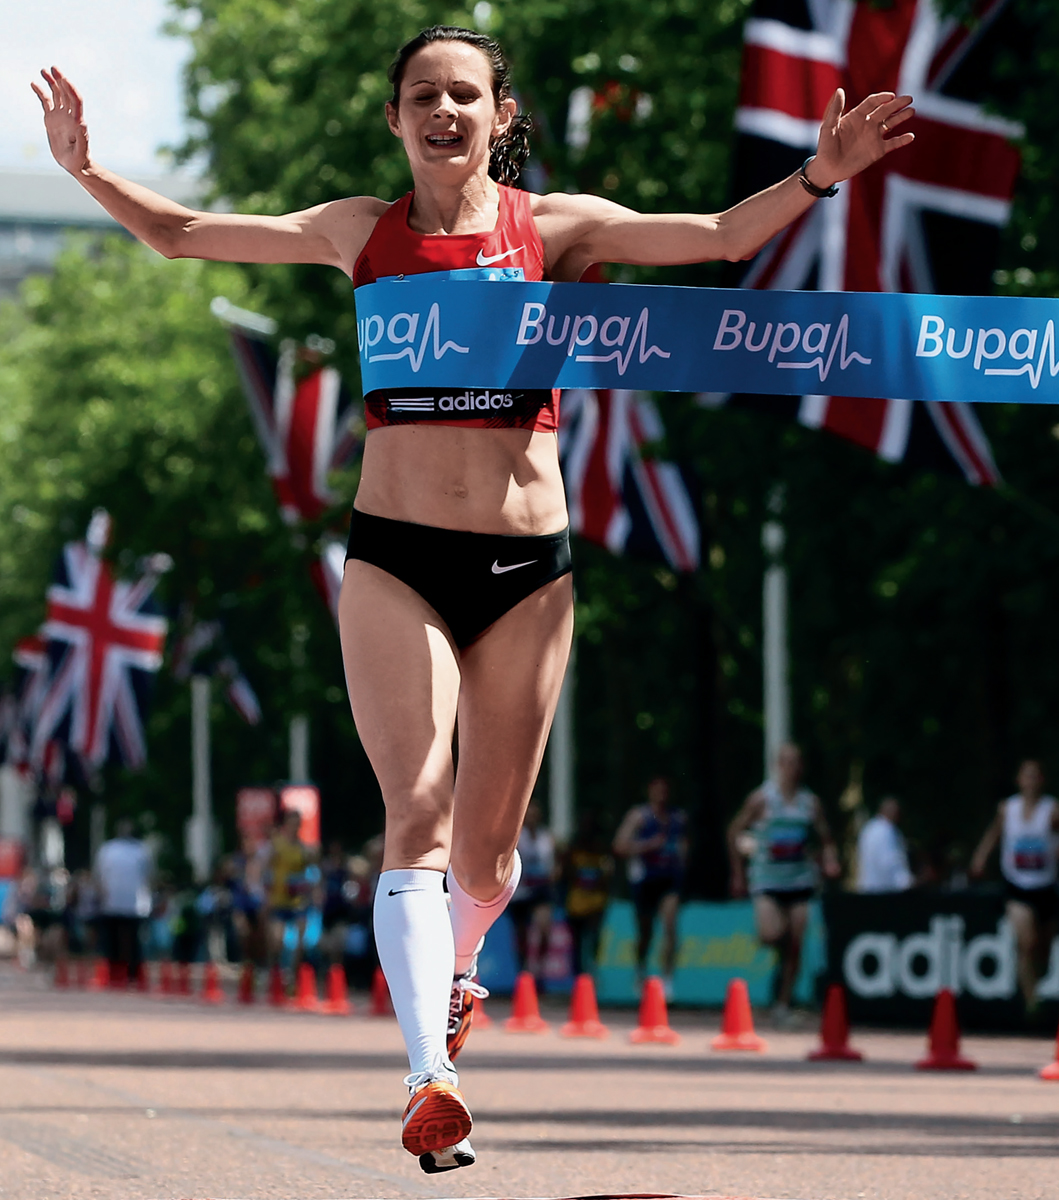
[(987, 845), (748, 815), (331, 234), (581, 230)]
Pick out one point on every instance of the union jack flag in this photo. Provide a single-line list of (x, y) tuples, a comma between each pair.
[(618, 496), (305, 423), (924, 219), (103, 639)]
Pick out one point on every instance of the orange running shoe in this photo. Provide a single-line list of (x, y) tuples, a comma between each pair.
[(437, 1116), (465, 990)]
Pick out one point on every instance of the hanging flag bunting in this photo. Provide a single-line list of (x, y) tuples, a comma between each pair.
[(104, 639), (301, 411), (924, 220), (306, 424), (328, 569), (201, 651), (620, 497)]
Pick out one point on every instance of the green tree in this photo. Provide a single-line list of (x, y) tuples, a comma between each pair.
[(921, 636), (119, 391)]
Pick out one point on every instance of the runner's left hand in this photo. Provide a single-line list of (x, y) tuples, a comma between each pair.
[(851, 141)]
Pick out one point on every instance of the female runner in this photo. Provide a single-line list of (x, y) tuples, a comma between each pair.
[(457, 600)]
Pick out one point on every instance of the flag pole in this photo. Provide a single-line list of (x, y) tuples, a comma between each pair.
[(561, 758), (777, 699), (299, 749), (198, 833)]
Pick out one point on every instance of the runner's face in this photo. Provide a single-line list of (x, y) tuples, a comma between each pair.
[(447, 116), (1030, 779)]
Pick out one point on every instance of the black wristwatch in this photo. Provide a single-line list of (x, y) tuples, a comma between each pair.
[(818, 192)]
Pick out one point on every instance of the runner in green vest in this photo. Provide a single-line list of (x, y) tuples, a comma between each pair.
[(774, 829)]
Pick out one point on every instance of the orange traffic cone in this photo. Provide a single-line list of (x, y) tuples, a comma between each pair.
[(834, 1030), (737, 1023), (337, 1003), (305, 998), (246, 985), (943, 1041), (277, 993), (525, 1010), (166, 986), (584, 1012), (100, 976), (1051, 1071), (212, 992), (653, 1023), (62, 973), (183, 979), (381, 1005)]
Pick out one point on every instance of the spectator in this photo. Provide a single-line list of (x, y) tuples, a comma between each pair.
[(250, 867), (82, 909), (1026, 826), (587, 871), (288, 888), (215, 905), (335, 909), (882, 857), (654, 839), (123, 872), (360, 944), (781, 818), (531, 905)]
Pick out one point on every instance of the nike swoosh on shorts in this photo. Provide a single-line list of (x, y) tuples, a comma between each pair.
[(499, 570), (486, 260)]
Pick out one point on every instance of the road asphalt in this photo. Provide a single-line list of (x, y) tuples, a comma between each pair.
[(126, 1097)]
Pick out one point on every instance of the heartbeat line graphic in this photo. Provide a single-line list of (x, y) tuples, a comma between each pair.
[(1035, 372), (415, 357), (639, 339), (841, 336)]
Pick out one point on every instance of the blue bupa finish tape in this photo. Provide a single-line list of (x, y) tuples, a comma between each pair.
[(434, 331)]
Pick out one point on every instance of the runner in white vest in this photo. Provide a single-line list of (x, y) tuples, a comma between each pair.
[(1026, 826), (775, 828)]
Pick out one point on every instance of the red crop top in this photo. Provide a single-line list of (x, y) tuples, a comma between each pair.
[(396, 249)]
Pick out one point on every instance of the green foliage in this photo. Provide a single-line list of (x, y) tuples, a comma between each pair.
[(921, 635), (119, 391)]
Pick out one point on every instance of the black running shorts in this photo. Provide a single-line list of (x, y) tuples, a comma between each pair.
[(469, 579)]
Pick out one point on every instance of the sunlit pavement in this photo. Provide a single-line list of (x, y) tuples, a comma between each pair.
[(129, 1097)]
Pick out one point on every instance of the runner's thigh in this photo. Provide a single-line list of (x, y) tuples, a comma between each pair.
[(511, 681), (769, 918), (403, 681)]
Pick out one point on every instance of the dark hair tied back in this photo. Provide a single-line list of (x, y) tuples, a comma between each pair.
[(508, 153)]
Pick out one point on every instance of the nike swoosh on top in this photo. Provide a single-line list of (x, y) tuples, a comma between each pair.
[(499, 570), (485, 260), (401, 891)]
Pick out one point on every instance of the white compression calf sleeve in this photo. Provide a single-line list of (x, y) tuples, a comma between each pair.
[(414, 939), (472, 919)]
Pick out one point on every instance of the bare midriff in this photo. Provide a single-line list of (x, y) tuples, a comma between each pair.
[(479, 480)]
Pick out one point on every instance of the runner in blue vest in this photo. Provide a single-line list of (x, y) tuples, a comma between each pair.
[(775, 828), (654, 838)]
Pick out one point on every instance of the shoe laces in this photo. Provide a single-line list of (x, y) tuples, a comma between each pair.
[(438, 1074), (463, 985)]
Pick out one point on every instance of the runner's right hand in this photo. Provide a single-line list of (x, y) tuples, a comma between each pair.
[(64, 121)]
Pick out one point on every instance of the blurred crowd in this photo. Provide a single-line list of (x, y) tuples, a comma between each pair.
[(277, 901)]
